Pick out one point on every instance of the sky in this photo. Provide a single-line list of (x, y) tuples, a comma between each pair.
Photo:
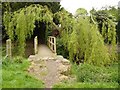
[(73, 5)]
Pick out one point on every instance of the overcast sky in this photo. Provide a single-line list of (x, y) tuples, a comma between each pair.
[(73, 5)]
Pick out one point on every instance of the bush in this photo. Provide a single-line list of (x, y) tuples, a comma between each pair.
[(61, 50), (90, 73), (89, 76)]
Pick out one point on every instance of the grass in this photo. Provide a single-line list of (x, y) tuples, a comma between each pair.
[(86, 85), (0, 76), (15, 75)]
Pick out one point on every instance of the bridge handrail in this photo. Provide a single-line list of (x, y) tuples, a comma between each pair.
[(52, 43)]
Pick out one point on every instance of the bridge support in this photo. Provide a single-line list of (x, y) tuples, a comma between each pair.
[(52, 43), (36, 45)]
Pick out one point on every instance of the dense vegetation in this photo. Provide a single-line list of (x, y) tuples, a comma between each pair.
[(89, 76), (20, 24), (87, 40), (89, 37), (14, 6)]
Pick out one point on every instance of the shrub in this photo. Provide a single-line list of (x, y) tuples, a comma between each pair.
[(90, 73), (61, 50)]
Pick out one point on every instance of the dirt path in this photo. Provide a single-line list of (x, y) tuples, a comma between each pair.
[(52, 77), (45, 67), (47, 71)]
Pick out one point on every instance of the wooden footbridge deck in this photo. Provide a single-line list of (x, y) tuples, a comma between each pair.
[(44, 51)]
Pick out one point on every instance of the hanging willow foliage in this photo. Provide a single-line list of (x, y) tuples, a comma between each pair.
[(84, 41), (109, 34), (20, 24)]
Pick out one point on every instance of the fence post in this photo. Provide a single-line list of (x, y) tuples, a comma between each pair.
[(36, 45), (8, 48)]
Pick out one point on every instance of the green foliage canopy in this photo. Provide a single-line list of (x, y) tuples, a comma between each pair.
[(20, 24), (84, 40), (81, 12)]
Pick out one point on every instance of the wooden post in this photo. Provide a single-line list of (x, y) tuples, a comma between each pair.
[(49, 42), (8, 48), (54, 45), (36, 45)]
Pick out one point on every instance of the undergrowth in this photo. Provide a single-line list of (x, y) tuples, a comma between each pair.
[(90, 76)]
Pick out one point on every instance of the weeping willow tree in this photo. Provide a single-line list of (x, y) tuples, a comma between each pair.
[(20, 24), (81, 36), (84, 41)]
